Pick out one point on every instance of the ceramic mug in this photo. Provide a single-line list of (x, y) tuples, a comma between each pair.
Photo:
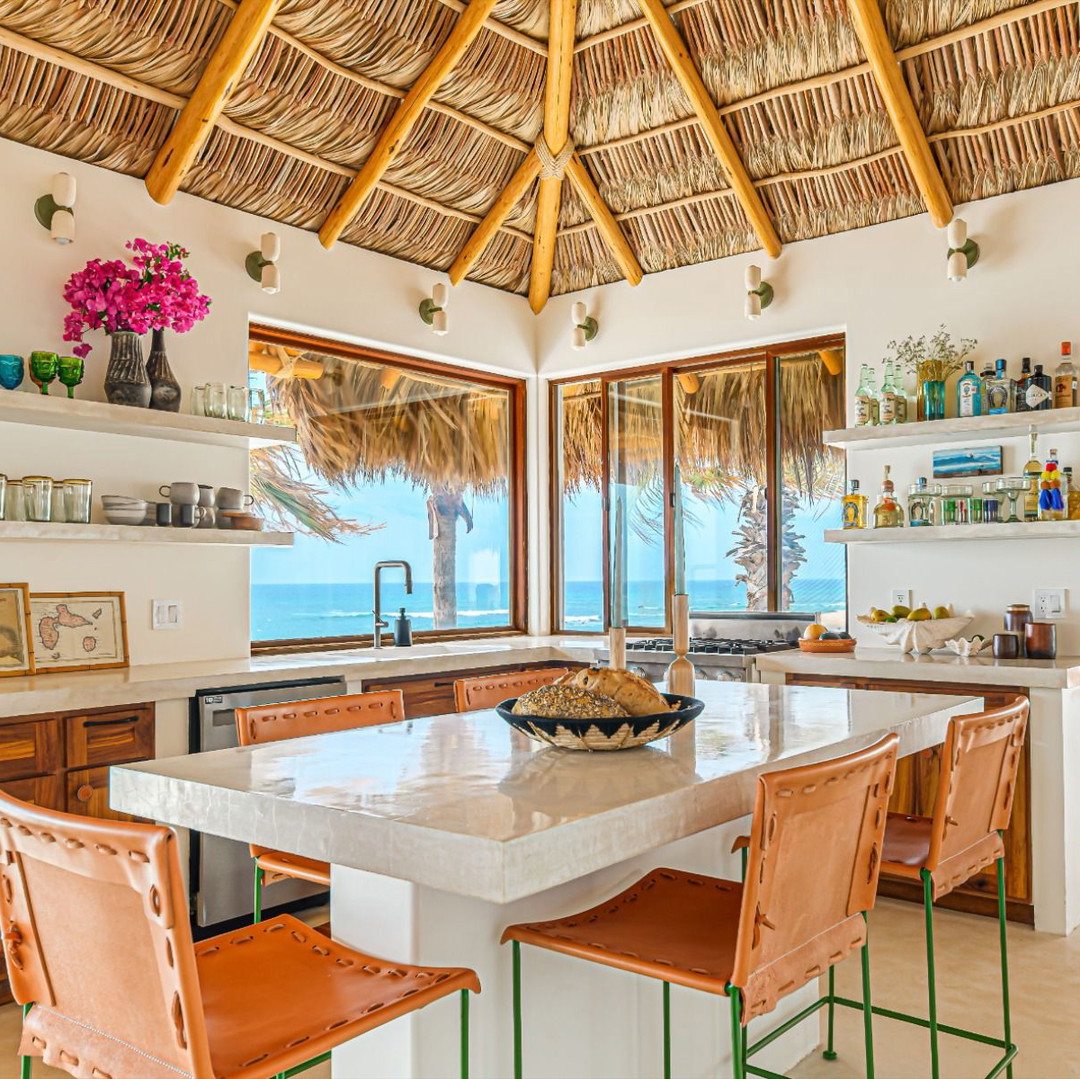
[(185, 516), (163, 514), (232, 498), (181, 494), (1006, 646)]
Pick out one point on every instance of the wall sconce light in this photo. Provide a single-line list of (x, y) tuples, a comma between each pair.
[(759, 294), (433, 310), (261, 265), (963, 252), (54, 211), (585, 326)]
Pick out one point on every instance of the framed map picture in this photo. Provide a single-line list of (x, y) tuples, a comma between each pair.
[(16, 640), (78, 631)]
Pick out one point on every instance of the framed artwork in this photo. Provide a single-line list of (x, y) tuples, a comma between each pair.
[(967, 461), (16, 638), (78, 631)]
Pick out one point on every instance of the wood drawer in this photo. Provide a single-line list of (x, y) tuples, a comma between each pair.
[(29, 747), (44, 791), (97, 738), (88, 794)]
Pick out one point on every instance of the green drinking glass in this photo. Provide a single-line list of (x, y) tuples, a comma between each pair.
[(71, 370), (43, 367)]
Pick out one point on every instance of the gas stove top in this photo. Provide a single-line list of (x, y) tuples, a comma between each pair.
[(719, 646)]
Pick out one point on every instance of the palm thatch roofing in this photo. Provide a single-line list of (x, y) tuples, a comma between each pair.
[(994, 86)]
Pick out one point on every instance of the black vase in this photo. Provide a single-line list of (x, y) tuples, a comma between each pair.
[(126, 381), (165, 390)]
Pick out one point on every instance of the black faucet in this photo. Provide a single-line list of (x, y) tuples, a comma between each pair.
[(380, 625)]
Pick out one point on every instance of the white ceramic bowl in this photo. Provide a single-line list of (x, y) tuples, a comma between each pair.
[(134, 514), (122, 500), (919, 636)]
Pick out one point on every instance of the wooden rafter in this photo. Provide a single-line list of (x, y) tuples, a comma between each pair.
[(560, 69), (469, 24), (474, 247), (870, 29), (678, 56), (228, 62), (617, 243)]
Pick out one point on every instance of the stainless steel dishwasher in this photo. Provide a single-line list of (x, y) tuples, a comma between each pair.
[(221, 870)]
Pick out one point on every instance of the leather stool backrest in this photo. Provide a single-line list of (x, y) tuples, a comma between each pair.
[(324, 715), (814, 855), (975, 793), (486, 691), (96, 934)]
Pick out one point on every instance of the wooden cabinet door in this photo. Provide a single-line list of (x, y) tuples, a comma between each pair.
[(29, 747), (110, 737), (88, 794), (44, 791)]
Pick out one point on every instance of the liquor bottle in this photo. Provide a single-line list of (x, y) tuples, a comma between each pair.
[(853, 508), (875, 402), (864, 402), (887, 399), (1065, 395), (1052, 497), (887, 512), (1000, 391), (1039, 393), (1022, 385), (1073, 501), (1032, 472), (920, 504), (969, 391)]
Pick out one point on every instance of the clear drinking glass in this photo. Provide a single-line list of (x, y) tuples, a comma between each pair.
[(217, 400), (198, 400), (38, 494), (77, 499), (3, 494), (237, 403), (257, 406), (15, 503), (57, 513)]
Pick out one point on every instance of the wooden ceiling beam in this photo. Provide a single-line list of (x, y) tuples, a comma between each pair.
[(474, 247), (874, 38), (470, 22), (227, 63), (560, 70), (616, 241), (678, 56)]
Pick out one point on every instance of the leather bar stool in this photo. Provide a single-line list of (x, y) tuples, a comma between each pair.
[(486, 691), (296, 719), (815, 848), (99, 952)]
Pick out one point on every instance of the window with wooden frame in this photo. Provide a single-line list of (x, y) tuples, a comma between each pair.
[(712, 470), (396, 458)]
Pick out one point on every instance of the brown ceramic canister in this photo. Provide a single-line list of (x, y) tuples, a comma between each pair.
[(1040, 639)]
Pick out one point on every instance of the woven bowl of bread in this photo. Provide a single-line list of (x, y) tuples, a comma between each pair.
[(599, 709)]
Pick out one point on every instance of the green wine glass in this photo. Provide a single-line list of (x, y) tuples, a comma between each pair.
[(43, 367), (71, 370)]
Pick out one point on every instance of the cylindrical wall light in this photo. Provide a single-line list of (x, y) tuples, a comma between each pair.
[(262, 265), (55, 210), (433, 310), (759, 293), (585, 327), (963, 251)]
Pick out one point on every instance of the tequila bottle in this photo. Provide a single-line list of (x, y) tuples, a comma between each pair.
[(969, 390), (920, 504), (853, 508), (1032, 472), (1065, 395), (1000, 391), (1039, 391), (887, 512), (865, 406)]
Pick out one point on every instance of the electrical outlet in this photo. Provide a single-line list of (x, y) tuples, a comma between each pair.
[(166, 614), (1048, 603), (900, 597)]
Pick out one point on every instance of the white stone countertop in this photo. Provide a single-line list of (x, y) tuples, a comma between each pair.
[(1060, 673), (33, 694), (464, 804)]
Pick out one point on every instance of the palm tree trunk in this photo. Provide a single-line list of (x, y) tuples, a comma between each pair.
[(445, 506)]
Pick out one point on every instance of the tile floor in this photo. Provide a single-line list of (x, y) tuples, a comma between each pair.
[(1046, 1002)]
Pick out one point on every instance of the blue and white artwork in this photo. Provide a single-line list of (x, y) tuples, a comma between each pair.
[(967, 461)]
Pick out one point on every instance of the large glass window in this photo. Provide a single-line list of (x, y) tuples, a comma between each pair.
[(394, 460), (714, 474)]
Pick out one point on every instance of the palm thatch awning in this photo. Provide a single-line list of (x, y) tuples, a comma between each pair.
[(798, 89)]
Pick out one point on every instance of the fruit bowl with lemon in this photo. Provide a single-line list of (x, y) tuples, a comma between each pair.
[(920, 630), (819, 638)]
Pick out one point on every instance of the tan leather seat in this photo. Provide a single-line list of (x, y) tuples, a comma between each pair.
[(486, 691), (97, 939), (297, 719)]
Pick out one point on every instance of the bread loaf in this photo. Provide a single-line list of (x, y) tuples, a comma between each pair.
[(567, 702), (637, 695)]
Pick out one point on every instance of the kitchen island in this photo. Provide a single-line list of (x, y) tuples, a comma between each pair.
[(441, 831)]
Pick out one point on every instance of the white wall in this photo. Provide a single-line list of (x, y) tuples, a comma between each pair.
[(876, 285), (349, 293)]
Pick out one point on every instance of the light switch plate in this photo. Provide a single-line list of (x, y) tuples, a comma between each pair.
[(1048, 604), (166, 614)]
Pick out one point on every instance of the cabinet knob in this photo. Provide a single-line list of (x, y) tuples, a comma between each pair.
[(85, 793)]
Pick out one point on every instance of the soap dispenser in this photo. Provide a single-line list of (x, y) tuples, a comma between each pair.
[(402, 630)]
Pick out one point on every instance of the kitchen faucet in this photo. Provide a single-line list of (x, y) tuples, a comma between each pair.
[(379, 623)]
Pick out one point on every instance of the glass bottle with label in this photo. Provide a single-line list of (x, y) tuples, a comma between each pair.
[(875, 401), (1032, 472), (888, 512), (1022, 384), (864, 401), (920, 503), (1039, 392), (888, 398), (853, 508), (969, 391), (1073, 501), (1065, 395), (1000, 391)]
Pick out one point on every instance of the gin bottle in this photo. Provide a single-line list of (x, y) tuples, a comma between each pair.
[(1039, 391), (969, 391), (1000, 391)]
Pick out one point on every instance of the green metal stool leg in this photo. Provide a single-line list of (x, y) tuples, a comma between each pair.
[(745, 855), (26, 1064), (830, 1052), (868, 1010), (928, 907), (1004, 959), (516, 946), (667, 1030), (464, 1034), (738, 1035), (258, 892)]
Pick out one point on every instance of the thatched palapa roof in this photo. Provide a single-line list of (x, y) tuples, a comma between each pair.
[(542, 146)]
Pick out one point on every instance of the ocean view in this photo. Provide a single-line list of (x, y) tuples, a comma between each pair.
[(281, 611)]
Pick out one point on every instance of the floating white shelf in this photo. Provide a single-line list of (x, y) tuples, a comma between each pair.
[(36, 531), (974, 428), (61, 412), (944, 533)]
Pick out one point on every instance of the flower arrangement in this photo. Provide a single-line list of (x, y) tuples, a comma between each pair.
[(154, 291), (934, 360)]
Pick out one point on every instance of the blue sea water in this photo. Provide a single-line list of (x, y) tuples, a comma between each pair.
[(289, 611)]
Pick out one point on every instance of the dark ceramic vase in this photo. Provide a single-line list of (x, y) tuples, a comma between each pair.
[(126, 381), (165, 390)]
